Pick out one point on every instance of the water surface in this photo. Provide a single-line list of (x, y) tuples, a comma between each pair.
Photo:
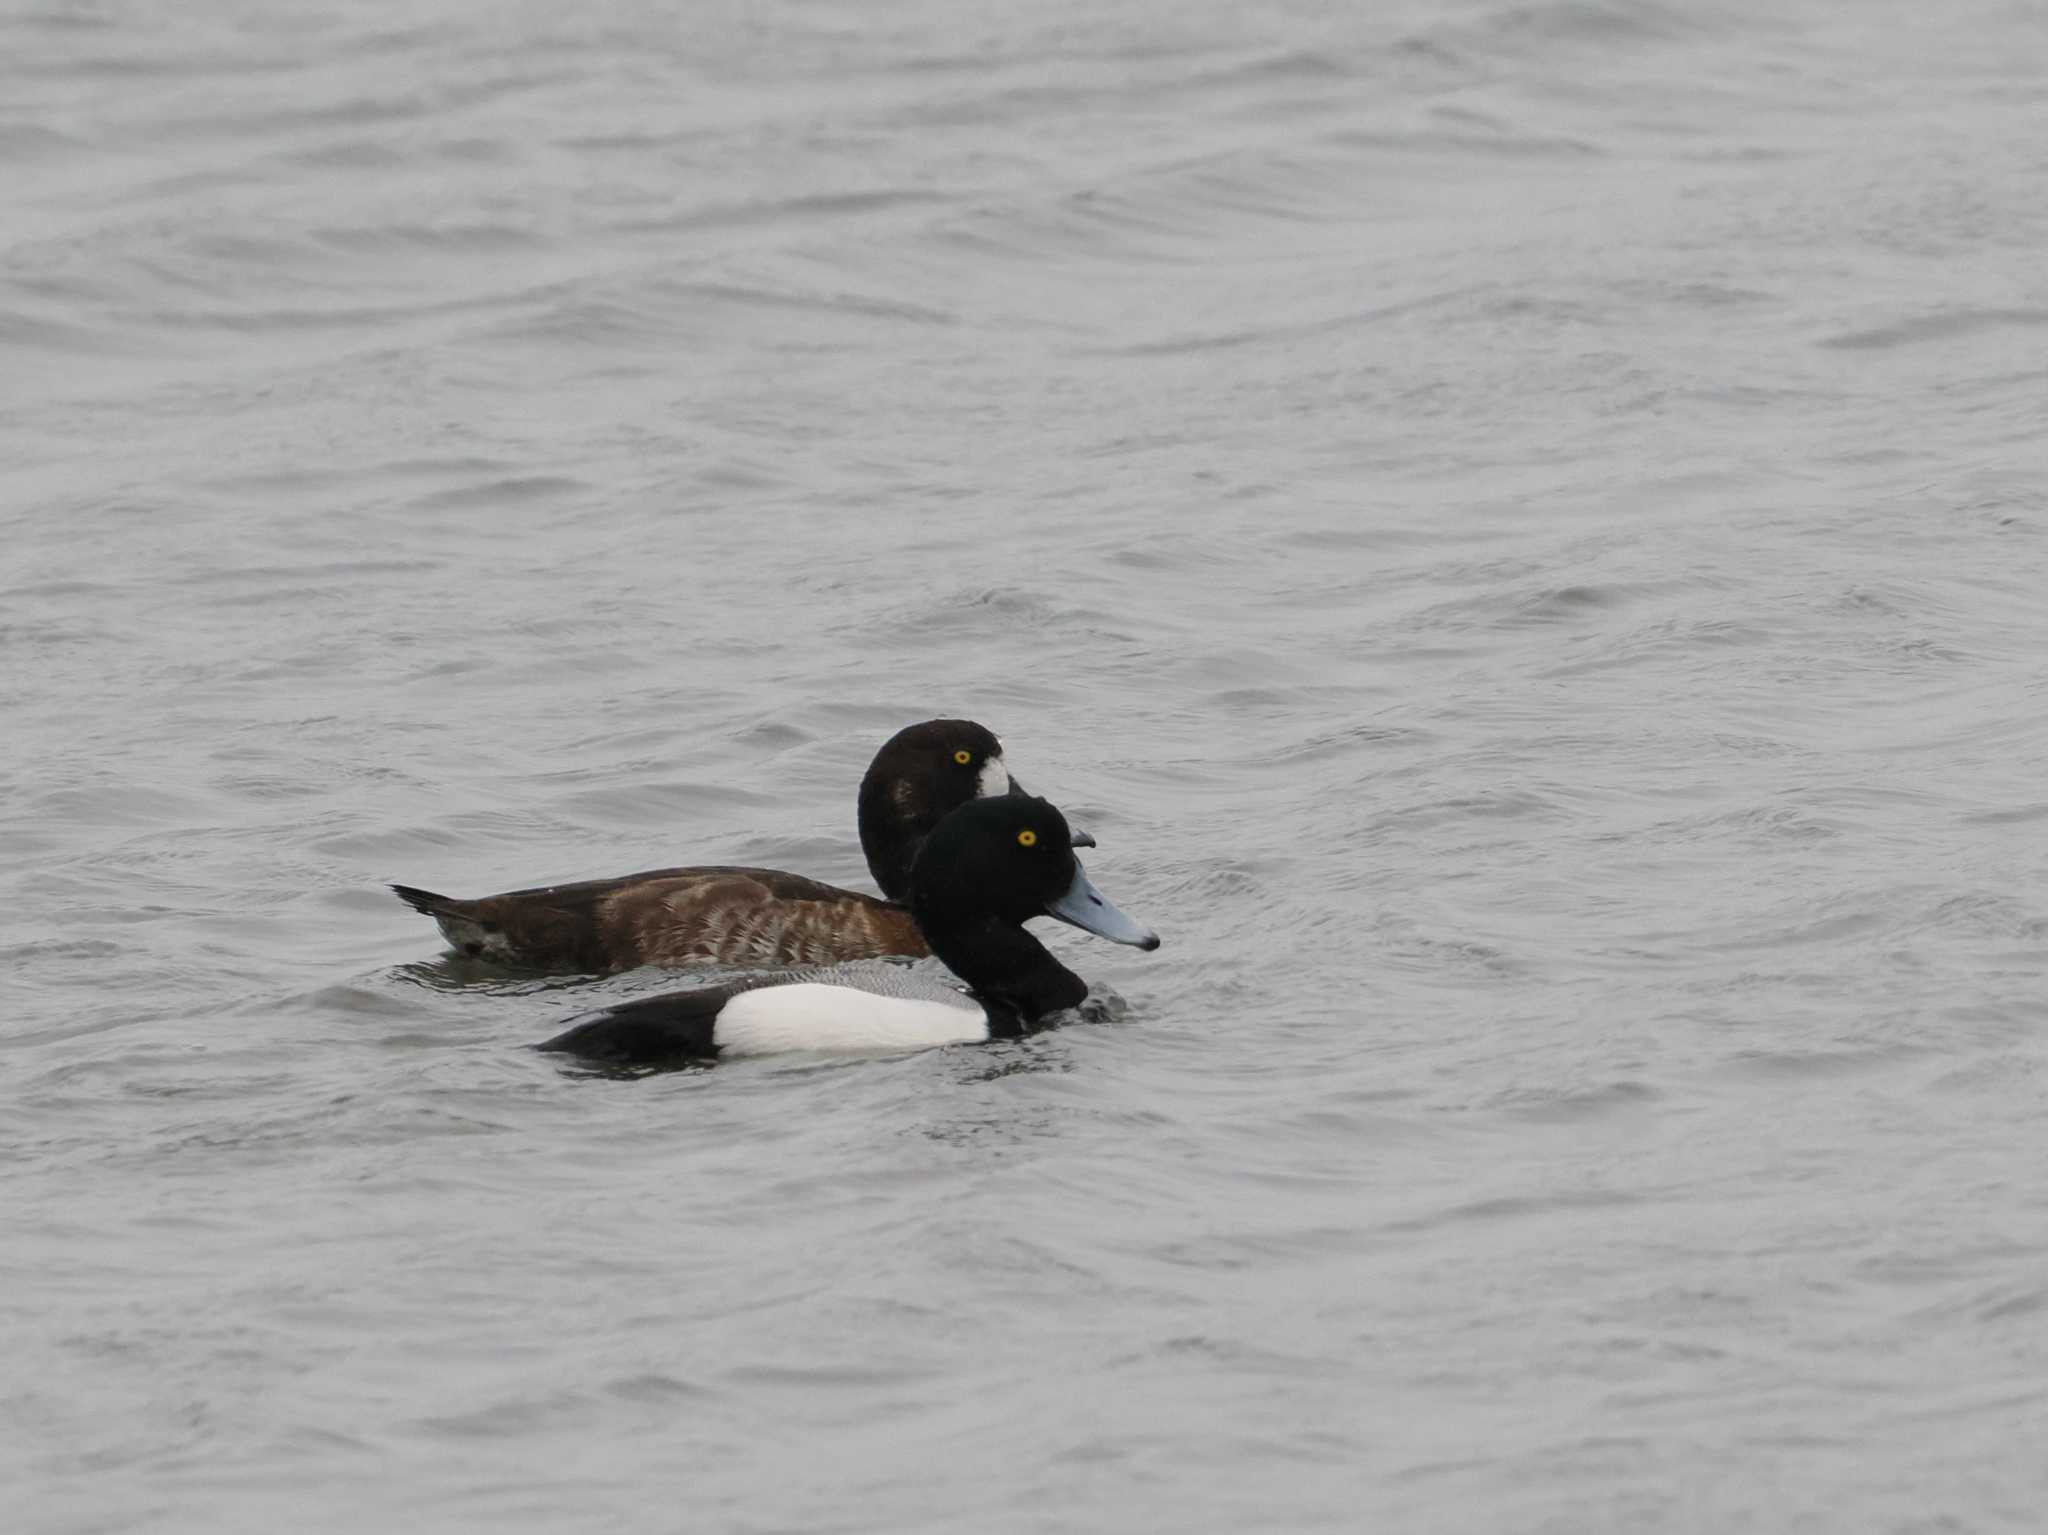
[(1520, 527)]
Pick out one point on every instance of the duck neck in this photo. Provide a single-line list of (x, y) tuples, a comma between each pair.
[(889, 835), (1009, 971)]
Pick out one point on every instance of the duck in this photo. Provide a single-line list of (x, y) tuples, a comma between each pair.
[(988, 868), (746, 917)]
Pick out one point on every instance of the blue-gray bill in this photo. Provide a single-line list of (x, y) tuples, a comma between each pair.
[(1090, 910), (1018, 791)]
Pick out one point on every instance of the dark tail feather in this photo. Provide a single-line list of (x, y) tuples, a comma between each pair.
[(426, 901), (672, 1029)]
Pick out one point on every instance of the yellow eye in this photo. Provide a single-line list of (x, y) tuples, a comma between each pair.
[(963, 757), (1027, 838)]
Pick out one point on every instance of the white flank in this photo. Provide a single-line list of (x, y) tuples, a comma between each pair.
[(995, 778), (815, 1015)]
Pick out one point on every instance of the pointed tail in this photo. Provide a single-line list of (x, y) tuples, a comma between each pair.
[(426, 901)]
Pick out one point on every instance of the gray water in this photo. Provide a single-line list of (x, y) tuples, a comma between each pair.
[(1521, 528)]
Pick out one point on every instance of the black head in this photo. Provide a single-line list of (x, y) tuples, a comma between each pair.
[(922, 774), (989, 868), (1007, 859)]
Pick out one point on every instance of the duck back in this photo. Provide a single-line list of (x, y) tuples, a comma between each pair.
[(715, 915)]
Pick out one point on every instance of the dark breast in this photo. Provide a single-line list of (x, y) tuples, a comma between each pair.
[(725, 916)]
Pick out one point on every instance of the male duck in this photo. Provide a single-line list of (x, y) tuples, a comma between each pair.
[(989, 867), (746, 917)]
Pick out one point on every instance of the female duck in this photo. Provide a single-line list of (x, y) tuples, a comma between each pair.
[(989, 867), (738, 916)]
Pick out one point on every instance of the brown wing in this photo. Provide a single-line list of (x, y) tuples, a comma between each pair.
[(753, 917), (699, 916)]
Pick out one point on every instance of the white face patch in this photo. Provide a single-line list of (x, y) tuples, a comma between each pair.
[(815, 1015), (995, 778)]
